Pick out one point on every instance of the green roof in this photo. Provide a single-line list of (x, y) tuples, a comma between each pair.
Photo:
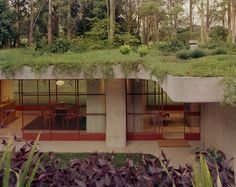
[(12, 60)]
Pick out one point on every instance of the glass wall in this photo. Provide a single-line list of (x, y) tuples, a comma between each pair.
[(151, 111), (77, 105)]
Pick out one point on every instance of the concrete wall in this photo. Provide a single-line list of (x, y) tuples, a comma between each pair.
[(218, 127), (194, 89), (115, 113)]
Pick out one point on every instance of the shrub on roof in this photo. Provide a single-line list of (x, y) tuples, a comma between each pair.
[(121, 39), (60, 46), (219, 51), (183, 54), (171, 46), (125, 49), (198, 53), (143, 50)]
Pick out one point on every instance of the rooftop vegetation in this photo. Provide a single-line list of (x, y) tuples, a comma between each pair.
[(12, 60)]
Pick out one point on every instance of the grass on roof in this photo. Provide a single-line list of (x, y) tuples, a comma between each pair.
[(12, 60)]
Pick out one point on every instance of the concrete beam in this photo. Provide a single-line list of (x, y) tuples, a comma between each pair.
[(179, 89)]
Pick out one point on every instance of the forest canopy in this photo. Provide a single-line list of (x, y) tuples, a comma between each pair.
[(99, 24)]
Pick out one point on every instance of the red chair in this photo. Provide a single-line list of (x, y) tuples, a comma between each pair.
[(48, 117), (72, 114)]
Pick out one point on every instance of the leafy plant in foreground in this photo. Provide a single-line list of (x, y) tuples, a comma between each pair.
[(24, 168), (18, 169), (219, 167)]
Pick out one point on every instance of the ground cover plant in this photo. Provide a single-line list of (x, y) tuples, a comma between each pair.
[(31, 168), (13, 60)]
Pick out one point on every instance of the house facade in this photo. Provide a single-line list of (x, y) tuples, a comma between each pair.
[(137, 106)]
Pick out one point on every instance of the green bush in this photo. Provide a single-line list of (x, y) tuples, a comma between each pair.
[(219, 51), (41, 43), (60, 46), (183, 54), (209, 45), (218, 33), (121, 39), (81, 44), (125, 49), (198, 53), (171, 47), (143, 50)]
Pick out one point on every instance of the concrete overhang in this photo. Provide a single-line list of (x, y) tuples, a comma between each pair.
[(179, 89)]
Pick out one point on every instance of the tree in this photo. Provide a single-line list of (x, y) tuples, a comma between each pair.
[(112, 21), (20, 8), (151, 12), (49, 27), (7, 20), (233, 14), (69, 19), (191, 18), (31, 22), (130, 16)]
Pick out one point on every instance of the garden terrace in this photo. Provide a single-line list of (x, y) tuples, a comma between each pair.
[(13, 60)]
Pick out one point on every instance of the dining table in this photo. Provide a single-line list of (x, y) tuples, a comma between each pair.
[(61, 111)]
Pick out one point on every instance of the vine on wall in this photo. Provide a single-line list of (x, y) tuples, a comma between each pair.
[(229, 85)]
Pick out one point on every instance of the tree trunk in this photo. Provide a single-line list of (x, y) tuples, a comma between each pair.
[(229, 21), (156, 28), (191, 18), (49, 21), (112, 21), (31, 23), (69, 19), (207, 17), (233, 24), (144, 40), (148, 31), (108, 15), (202, 21), (17, 23)]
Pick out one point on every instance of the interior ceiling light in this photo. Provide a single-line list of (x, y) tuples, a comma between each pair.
[(60, 83)]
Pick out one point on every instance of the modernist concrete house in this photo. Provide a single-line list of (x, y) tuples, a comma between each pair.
[(121, 108)]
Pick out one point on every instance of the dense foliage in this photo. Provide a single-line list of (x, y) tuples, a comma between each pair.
[(115, 23), (33, 169), (7, 30)]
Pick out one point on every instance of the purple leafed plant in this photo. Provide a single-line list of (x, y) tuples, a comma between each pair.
[(217, 163), (98, 171)]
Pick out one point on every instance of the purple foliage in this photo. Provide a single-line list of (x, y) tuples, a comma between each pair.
[(98, 171), (216, 159)]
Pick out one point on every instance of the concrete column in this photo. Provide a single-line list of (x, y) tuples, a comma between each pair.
[(115, 113)]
